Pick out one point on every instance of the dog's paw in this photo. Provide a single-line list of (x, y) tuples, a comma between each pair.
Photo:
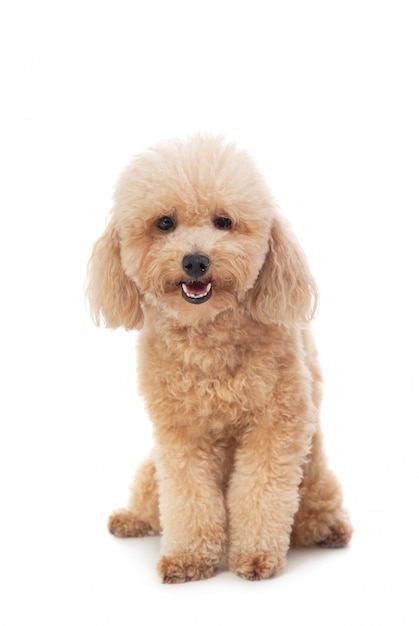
[(320, 528), (256, 566), (123, 523), (338, 535), (184, 568)]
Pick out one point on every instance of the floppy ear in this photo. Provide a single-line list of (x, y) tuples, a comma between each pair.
[(285, 289), (113, 297)]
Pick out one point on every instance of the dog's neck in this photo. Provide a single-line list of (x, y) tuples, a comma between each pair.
[(220, 329)]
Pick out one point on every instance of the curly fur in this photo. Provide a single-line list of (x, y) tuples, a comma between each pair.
[(231, 383)]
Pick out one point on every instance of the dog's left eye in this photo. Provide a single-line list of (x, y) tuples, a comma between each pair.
[(224, 223), (166, 223)]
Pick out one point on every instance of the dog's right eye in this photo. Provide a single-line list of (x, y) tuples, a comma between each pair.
[(166, 223)]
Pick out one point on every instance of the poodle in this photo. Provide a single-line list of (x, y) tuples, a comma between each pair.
[(196, 255)]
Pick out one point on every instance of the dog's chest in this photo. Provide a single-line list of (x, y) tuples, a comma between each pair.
[(195, 376)]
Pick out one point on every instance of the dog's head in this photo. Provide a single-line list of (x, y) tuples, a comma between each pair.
[(193, 232)]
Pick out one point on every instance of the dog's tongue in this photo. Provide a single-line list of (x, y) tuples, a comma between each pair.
[(196, 288)]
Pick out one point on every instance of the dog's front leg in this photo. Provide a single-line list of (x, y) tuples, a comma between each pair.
[(192, 510), (262, 499)]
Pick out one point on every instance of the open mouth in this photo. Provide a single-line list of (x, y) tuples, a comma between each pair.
[(196, 292)]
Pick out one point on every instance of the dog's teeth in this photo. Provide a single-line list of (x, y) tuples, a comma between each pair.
[(196, 296)]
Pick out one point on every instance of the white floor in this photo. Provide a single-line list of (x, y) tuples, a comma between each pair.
[(328, 100)]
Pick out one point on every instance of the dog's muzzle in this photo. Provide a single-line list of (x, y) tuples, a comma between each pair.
[(197, 290)]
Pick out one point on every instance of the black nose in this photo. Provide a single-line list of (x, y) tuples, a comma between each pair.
[(195, 265)]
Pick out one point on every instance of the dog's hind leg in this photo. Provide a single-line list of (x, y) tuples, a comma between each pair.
[(321, 519), (141, 517)]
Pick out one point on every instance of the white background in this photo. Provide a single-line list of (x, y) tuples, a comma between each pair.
[(325, 95)]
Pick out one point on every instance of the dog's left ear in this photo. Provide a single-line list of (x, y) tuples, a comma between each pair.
[(285, 290)]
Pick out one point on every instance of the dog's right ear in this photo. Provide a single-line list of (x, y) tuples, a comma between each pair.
[(113, 297)]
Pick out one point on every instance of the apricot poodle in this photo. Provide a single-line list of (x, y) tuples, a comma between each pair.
[(196, 256)]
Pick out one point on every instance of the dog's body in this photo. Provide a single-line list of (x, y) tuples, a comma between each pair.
[(195, 255)]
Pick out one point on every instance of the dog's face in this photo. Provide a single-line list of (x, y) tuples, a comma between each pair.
[(195, 262), (191, 231), (195, 239)]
